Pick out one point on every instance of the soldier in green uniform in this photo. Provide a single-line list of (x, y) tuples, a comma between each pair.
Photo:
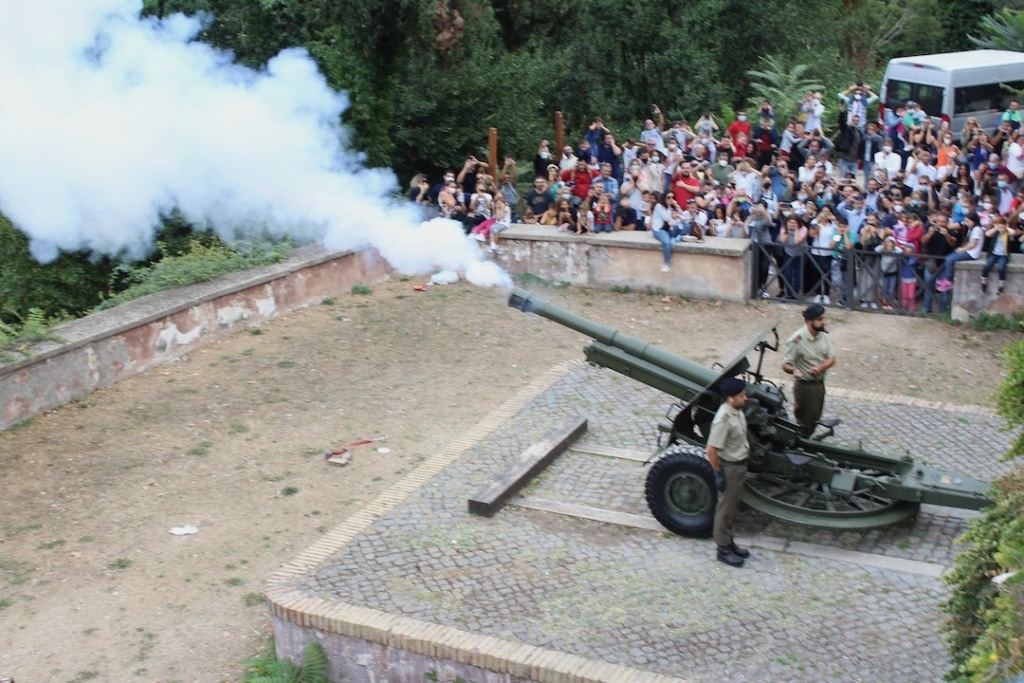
[(727, 451), (808, 357)]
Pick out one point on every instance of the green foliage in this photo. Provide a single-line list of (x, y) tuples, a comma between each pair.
[(362, 290), (995, 322), (17, 337), (1010, 397), (269, 669), (986, 625), (1002, 30), (69, 286), (784, 85), (201, 262)]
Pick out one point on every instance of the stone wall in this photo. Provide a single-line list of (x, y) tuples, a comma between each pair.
[(104, 348), (718, 268), (362, 660), (969, 300)]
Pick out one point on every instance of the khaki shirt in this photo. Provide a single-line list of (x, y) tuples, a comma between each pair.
[(805, 351), (729, 434)]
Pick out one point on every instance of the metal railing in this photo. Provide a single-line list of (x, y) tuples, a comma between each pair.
[(854, 278)]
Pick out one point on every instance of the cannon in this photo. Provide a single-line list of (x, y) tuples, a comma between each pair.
[(793, 478)]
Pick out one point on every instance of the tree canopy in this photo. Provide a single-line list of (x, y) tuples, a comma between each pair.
[(428, 77)]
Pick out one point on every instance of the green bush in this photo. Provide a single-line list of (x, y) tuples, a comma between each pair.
[(269, 669), (1010, 396), (69, 286), (994, 322), (202, 261), (17, 337), (986, 626)]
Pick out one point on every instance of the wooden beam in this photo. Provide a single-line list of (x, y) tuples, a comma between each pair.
[(559, 135), (529, 463), (492, 153)]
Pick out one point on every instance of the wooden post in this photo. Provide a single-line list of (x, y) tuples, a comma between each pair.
[(559, 135), (492, 151)]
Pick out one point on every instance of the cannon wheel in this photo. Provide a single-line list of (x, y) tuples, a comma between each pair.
[(797, 500), (681, 493)]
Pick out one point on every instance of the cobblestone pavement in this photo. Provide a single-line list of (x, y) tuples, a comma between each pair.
[(657, 601)]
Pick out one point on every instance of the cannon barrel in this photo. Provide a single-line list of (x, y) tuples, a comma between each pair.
[(638, 348)]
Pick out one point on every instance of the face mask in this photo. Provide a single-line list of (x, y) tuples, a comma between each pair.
[(723, 162), (987, 206), (545, 155), (1001, 184), (887, 148), (948, 141), (742, 117), (802, 197), (993, 165), (857, 97), (915, 202), (898, 208)]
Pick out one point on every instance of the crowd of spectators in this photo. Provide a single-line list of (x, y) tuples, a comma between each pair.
[(875, 214)]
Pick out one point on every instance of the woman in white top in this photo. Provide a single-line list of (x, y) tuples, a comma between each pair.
[(823, 233), (661, 228)]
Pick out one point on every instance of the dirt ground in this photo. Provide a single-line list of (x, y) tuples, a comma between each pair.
[(230, 439)]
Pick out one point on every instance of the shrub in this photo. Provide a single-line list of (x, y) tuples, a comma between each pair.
[(994, 322), (986, 626), (269, 669), (69, 286), (19, 336), (202, 261)]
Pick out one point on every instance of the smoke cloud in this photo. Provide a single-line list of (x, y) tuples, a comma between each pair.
[(111, 120)]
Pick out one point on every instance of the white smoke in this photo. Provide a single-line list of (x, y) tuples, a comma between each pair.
[(110, 121)]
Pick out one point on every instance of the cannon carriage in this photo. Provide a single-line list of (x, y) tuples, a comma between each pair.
[(793, 478)]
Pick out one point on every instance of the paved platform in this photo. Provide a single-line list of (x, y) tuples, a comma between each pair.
[(539, 592)]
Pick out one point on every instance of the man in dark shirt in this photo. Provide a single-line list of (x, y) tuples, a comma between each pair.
[(610, 153), (626, 217), (539, 198)]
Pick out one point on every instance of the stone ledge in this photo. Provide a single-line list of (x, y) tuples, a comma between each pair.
[(106, 347), (147, 309), (628, 239)]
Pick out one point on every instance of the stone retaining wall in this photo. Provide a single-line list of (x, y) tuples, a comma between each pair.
[(969, 300), (104, 348), (718, 268)]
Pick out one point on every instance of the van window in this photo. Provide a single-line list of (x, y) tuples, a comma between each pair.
[(985, 97), (928, 96)]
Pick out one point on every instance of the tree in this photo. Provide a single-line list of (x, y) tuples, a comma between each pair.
[(1003, 30), (784, 86)]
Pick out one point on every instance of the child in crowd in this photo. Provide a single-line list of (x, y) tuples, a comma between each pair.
[(890, 267)]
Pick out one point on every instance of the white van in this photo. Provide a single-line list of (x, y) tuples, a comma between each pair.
[(954, 86)]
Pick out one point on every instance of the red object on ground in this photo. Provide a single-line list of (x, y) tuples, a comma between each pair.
[(419, 288)]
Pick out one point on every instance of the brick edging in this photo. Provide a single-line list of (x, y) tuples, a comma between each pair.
[(288, 601)]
